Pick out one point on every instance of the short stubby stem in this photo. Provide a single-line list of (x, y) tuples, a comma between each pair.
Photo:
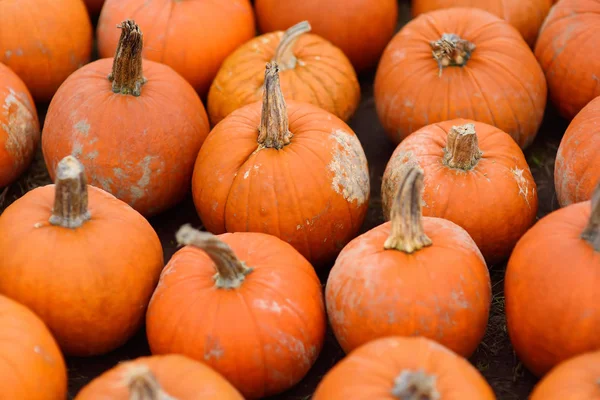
[(284, 54), (407, 233), (591, 234), (415, 385), (231, 272), (70, 195), (127, 73), (274, 130), (450, 50), (142, 384), (462, 148)]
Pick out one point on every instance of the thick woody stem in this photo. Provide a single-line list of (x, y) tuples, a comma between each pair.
[(407, 234), (273, 131), (462, 148), (143, 385), (451, 50), (592, 231), (71, 195), (284, 54), (231, 272), (415, 385), (126, 75)]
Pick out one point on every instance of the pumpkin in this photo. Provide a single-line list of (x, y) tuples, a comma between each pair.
[(577, 166), (475, 176), (526, 16), (159, 377), (81, 259), (402, 368), (31, 363), (259, 321), (290, 170), (566, 49), (19, 127), (574, 379), (43, 42), (551, 287), (312, 70), (411, 276), (193, 36), (360, 28), (137, 129), (94, 6), (459, 63)]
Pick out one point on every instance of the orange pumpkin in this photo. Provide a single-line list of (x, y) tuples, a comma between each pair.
[(94, 6), (44, 42), (575, 379), (81, 259), (294, 171), (160, 377), (577, 167), (361, 28), (412, 276), (19, 127), (551, 287), (193, 36), (460, 63), (312, 70), (261, 320), (526, 16), (475, 176), (566, 49), (404, 369), (31, 364), (139, 137)]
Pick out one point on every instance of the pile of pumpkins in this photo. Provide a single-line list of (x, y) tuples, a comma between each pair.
[(282, 185)]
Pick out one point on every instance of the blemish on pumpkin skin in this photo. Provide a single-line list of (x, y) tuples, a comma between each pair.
[(522, 184), (82, 127), (272, 306), (92, 155), (47, 357), (137, 191), (213, 349), (349, 168), (20, 128)]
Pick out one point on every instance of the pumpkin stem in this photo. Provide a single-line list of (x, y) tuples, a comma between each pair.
[(407, 232), (284, 56), (273, 131), (143, 385), (462, 148), (70, 194), (126, 75), (411, 385), (451, 50), (592, 231), (231, 272)]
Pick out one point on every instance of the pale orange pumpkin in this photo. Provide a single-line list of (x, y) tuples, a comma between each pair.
[(259, 321), (290, 170), (551, 287), (31, 364), (312, 70), (411, 276), (475, 176), (82, 260), (170, 377), (19, 127), (398, 368)]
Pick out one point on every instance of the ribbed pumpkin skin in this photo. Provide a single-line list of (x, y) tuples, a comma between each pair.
[(501, 84), (179, 376), (369, 372), (31, 364), (526, 16), (44, 41), (360, 28), (323, 76), (192, 36), (19, 127), (577, 167), (551, 287), (567, 50), (574, 379)]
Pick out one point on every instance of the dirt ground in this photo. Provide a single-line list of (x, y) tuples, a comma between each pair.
[(494, 357)]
